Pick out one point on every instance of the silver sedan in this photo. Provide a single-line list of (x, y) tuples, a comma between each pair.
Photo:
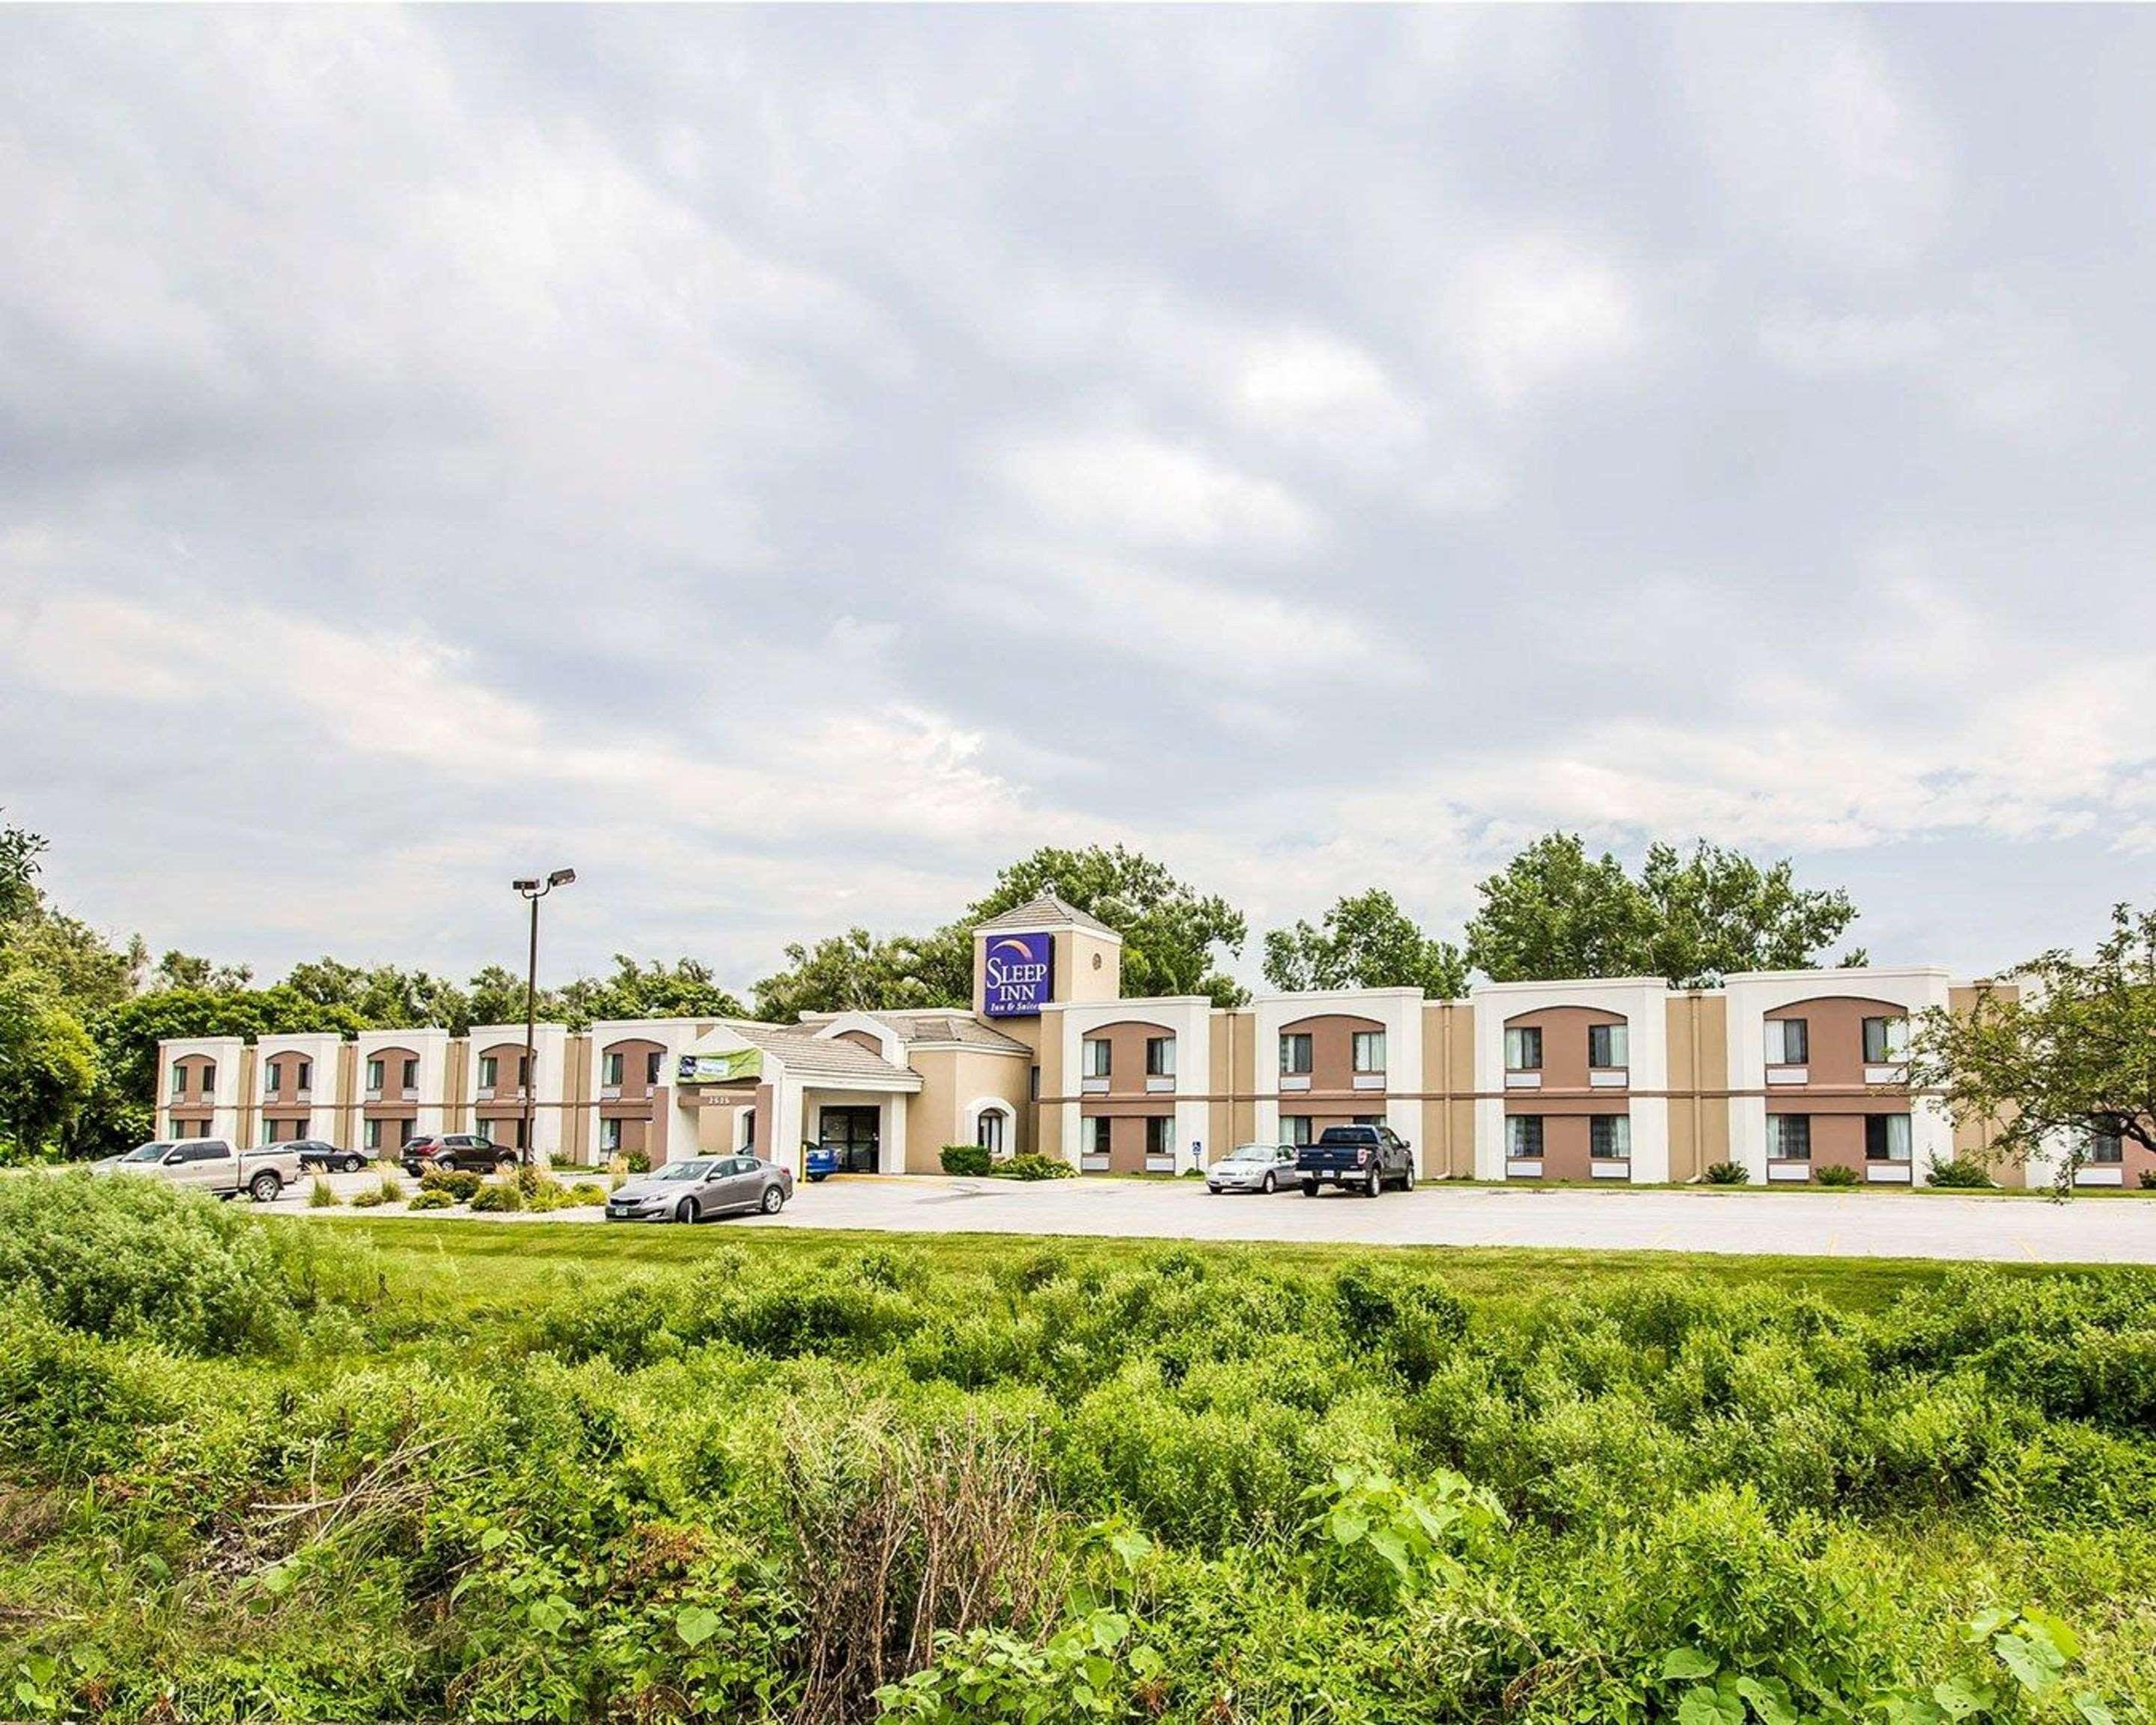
[(1253, 1168), (703, 1186)]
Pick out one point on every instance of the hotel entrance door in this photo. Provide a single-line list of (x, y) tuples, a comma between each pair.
[(852, 1133)]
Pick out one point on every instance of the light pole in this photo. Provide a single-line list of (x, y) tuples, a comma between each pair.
[(533, 891)]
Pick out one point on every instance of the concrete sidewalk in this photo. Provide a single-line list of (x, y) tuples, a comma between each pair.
[(1852, 1224)]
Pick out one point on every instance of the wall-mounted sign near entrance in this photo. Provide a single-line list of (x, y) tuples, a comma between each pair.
[(1018, 975), (720, 1068)]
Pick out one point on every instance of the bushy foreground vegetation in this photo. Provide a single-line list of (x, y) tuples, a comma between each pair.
[(285, 1469)]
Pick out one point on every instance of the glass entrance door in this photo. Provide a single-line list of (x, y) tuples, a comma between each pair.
[(853, 1133)]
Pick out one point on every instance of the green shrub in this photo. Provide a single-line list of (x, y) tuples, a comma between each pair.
[(119, 1257), (497, 1196), (636, 1162), (1034, 1168), (1728, 1173), (431, 1198), (459, 1183), (322, 1196), (2149, 1179), (1836, 1173), (1957, 1171), (966, 1160), (588, 1192)]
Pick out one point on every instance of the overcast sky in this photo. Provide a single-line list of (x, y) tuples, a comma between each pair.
[(787, 463)]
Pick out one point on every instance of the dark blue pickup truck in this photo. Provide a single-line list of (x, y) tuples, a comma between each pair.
[(1364, 1158)]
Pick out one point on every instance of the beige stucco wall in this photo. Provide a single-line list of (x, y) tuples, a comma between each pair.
[(1446, 1141), (952, 1080)]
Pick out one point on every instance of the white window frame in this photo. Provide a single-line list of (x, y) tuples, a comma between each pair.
[(1303, 1040), (1362, 1045), (1516, 1048)]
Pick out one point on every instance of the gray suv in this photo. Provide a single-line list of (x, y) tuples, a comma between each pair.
[(703, 1186)]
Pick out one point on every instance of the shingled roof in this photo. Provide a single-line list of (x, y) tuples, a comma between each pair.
[(820, 1057), (1046, 911), (949, 1026)]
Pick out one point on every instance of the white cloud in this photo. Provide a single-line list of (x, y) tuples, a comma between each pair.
[(1538, 310), (1143, 491)]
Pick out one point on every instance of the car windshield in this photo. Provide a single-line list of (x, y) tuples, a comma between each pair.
[(683, 1171), (147, 1152), (1251, 1152)]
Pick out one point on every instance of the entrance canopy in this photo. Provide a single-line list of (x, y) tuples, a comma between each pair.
[(775, 1090)]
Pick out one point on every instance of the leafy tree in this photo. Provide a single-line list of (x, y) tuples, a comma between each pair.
[(19, 851), (1169, 933), (496, 996), (86, 970), (48, 1066), (1716, 912), (1169, 929), (2071, 1055), (683, 989), (1367, 942), (387, 998), (855, 971), (1553, 911), (184, 970)]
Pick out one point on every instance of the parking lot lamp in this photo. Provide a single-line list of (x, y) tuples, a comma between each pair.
[(533, 891)]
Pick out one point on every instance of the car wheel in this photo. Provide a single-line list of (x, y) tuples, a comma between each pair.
[(1373, 1186), (354, 1164), (773, 1201), (686, 1211), (1407, 1178), (264, 1187), (1310, 1189), (1271, 1185), (505, 1167)]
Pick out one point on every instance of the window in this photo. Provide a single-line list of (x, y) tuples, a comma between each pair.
[(1096, 1136), (1523, 1133), (1160, 1057), (1369, 1050), (1294, 1129), (1608, 1045), (653, 1061), (1523, 1049), (609, 1135), (610, 1070), (179, 1080), (1609, 1137), (374, 1075), (374, 1135), (1295, 1055), (989, 1131), (1788, 1042), (748, 1128), (2106, 1148), (208, 1076), (1377, 1120), (1159, 1139), (1789, 1137), (1033, 1084), (1098, 1057), (523, 1070), (1887, 1137), (411, 1075), (488, 1067), (306, 1075), (1885, 1040)]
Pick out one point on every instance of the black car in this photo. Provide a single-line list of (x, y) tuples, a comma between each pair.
[(318, 1156), (1363, 1158), (469, 1151)]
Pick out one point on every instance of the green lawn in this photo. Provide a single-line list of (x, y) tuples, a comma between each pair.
[(457, 1264)]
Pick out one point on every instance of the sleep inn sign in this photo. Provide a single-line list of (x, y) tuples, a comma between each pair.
[(1018, 975)]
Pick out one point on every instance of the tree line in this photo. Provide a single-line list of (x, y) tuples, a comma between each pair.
[(81, 1016)]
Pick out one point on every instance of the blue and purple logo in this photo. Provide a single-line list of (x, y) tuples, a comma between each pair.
[(1018, 975)]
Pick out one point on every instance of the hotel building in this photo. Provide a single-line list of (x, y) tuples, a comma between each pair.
[(1622, 1080)]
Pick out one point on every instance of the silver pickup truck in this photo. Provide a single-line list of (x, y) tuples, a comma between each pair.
[(210, 1165)]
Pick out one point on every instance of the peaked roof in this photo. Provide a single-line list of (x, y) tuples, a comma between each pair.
[(1046, 911), (949, 1025), (827, 1057)]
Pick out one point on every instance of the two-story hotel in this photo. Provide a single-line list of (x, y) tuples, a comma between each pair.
[(1624, 1080)]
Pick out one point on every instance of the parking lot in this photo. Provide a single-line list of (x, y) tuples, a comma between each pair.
[(1858, 1223)]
